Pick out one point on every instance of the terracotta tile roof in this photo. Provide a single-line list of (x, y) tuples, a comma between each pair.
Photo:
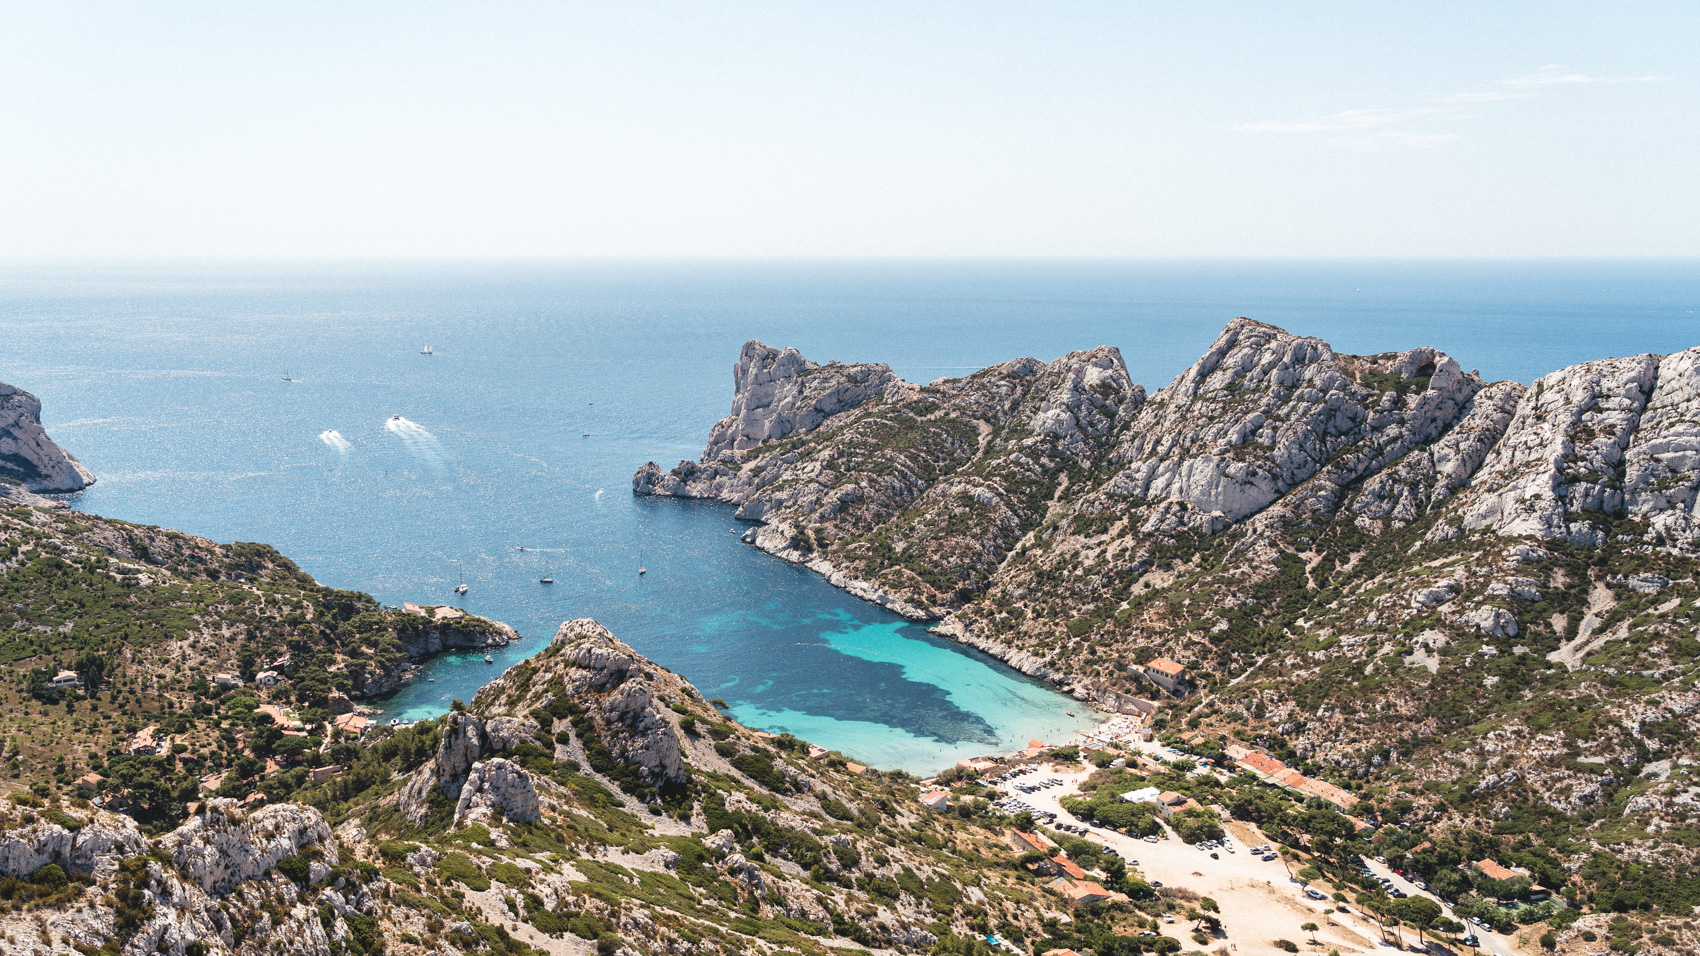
[(856, 768), (1083, 891), (1027, 842), (1166, 666), (1262, 763), (1494, 871), (1171, 798), (1068, 867)]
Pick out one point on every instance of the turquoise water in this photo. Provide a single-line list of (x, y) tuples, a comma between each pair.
[(168, 382)]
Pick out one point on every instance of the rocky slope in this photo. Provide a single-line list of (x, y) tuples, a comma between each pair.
[(586, 799), (29, 460), (1472, 603)]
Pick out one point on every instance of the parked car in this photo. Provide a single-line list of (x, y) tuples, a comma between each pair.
[(1316, 895)]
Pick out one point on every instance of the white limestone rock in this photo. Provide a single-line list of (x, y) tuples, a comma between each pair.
[(778, 393), (498, 785), (1563, 452), (96, 848), (1492, 621), (1662, 467), (1263, 411), (27, 455), (222, 846)]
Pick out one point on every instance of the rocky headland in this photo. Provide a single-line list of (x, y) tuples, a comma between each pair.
[(31, 464), (1375, 565)]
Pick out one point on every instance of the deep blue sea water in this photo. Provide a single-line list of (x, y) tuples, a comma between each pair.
[(167, 380)]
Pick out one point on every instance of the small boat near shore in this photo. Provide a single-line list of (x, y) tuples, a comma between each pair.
[(488, 659)]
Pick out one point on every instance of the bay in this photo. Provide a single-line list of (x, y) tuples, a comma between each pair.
[(385, 470)]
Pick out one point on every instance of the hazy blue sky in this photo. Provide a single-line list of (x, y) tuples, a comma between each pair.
[(850, 129)]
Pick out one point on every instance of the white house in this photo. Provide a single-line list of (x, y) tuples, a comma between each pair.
[(936, 799), (267, 678), (65, 679), (227, 680), (1142, 795)]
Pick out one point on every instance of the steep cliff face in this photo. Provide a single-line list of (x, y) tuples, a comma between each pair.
[(27, 456), (778, 393), (609, 699), (1363, 560)]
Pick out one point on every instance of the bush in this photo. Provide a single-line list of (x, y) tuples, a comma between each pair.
[(1287, 945)]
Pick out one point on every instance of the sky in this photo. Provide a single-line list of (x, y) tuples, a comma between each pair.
[(849, 129)]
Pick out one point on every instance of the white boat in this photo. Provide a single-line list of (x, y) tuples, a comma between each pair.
[(426, 351), (488, 659), (545, 580), (286, 376), (587, 434), (643, 570), (460, 589)]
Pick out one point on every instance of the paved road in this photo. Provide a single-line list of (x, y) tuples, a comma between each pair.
[(1491, 942)]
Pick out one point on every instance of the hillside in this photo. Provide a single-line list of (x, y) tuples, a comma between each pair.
[(1472, 604), (113, 637)]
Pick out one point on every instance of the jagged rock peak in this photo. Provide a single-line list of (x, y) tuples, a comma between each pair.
[(1562, 456), (1263, 411), (223, 846), (27, 455), (613, 687), (778, 393)]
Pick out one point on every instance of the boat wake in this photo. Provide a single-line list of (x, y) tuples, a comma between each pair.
[(333, 438), (417, 439), (600, 492)]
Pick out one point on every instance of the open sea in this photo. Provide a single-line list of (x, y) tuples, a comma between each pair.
[(168, 381)]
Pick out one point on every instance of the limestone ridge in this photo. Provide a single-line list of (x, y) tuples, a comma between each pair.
[(29, 458), (476, 787), (1264, 422), (611, 687)]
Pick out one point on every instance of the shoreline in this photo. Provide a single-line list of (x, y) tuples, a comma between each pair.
[(946, 626)]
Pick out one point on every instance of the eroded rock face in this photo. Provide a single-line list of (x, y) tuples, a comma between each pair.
[(1562, 454), (27, 455), (1265, 412), (615, 688), (95, 849), (1662, 467), (778, 393), (224, 846), (498, 786)]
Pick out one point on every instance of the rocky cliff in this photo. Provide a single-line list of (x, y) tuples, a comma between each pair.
[(1376, 565), (587, 799), (28, 458)]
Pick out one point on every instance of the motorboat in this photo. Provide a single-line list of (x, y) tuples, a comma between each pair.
[(545, 580), (488, 659)]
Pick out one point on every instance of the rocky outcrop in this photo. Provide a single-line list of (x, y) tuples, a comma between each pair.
[(616, 690), (27, 456), (498, 786), (1562, 455), (460, 775), (458, 634), (1661, 480), (776, 393), (94, 847), (224, 846)]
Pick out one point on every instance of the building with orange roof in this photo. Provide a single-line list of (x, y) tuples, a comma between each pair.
[(1167, 674), (1068, 867), (1083, 892), (1023, 842), (1494, 871)]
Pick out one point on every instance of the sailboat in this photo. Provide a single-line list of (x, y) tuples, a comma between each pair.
[(426, 351), (286, 376)]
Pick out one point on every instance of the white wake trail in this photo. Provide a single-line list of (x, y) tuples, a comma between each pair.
[(333, 438), (418, 440)]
